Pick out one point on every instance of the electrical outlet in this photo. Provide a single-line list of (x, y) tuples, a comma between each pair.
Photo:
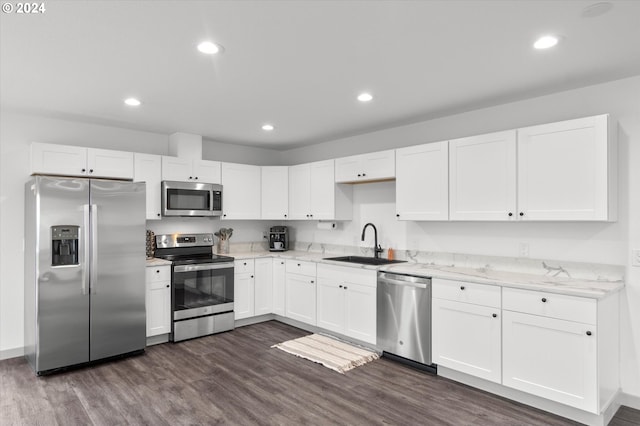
[(523, 250), (635, 257)]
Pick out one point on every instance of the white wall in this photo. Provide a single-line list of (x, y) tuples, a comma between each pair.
[(608, 243)]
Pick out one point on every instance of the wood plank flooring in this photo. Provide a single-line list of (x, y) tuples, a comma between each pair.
[(235, 378)]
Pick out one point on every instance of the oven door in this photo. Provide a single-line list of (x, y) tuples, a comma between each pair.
[(202, 289)]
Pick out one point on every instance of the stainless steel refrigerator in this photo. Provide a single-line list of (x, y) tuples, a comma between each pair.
[(84, 270)]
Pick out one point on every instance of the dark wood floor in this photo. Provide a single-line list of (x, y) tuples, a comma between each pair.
[(236, 378)]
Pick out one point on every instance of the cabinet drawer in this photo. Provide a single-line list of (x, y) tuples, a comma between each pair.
[(301, 267), (570, 308), (461, 291), (243, 266), (347, 274), (158, 273)]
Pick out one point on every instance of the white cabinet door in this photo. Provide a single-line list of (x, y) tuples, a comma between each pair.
[(299, 192), (467, 338), (243, 295), (279, 287), (360, 312), (106, 163), (301, 298), (551, 358), (322, 187), (263, 286), (422, 182), (275, 192), (207, 171), (177, 169), (64, 160), (563, 171), (148, 168), (365, 167), (158, 300), (331, 305), (241, 193), (482, 177)]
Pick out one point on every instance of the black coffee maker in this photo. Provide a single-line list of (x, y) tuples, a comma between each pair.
[(278, 238)]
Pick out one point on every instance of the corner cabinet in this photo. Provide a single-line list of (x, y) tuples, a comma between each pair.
[(263, 284), (148, 168), (371, 167), (467, 328), (241, 193), (158, 299), (314, 195), (279, 286), (346, 301), (566, 171), (64, 160), (422, 182)]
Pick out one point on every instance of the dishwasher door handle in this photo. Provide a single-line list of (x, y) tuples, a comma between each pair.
[(404, 280)]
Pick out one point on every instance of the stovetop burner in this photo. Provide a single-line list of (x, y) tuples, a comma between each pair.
[(188, 249), (190, 259)]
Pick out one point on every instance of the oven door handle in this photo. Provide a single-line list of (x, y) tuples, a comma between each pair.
[(202, 267)]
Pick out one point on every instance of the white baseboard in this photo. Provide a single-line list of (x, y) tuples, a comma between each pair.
[(11, 353), (631, 401)]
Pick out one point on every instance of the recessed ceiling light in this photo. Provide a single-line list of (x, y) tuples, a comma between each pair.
[(132, 102), (365, 97), (267, 127), (209, 48), (546, 42)]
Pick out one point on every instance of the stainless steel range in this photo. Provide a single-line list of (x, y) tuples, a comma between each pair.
[(201, 285)]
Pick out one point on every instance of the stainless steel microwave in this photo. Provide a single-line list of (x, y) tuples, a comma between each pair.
[(191, 199)]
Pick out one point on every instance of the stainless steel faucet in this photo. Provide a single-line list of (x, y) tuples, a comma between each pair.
[(376, 248)]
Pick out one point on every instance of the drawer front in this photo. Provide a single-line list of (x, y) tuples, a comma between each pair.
[(301, 267), (460, 291), (361, 276), (244, 266), (560, 306), (158, 273)]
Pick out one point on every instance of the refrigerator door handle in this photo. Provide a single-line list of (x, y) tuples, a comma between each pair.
[(86, 241), (94, 248)]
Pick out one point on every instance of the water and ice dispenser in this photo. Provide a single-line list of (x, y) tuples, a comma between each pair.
[(64, 245)]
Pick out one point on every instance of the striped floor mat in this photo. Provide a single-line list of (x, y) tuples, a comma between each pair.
[(331, 353)]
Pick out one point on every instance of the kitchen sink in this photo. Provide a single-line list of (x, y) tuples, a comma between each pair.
[(364, 260)]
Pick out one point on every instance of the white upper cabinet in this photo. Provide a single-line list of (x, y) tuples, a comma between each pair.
[(241, 191), (314, 195), (566, 171), (275, 192), (482, 177), (422, 182), (366, 167), (63, 160), (148, 168), (188, 170)]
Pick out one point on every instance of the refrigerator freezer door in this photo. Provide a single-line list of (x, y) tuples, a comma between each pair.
[(62, 329), (118, 321)]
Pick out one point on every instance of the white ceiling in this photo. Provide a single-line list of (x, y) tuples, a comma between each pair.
[(300, 64)]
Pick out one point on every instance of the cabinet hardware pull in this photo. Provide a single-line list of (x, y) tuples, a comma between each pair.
[(157, 271), (345, 287), (588, 333), (285, 215), (158, 214), (340, 286), (251, 276), (364, 174), (298, 264), (521, 213), (495, 315), (462, 287), (84, 170), (282, 263), (90, 170), (190, 177), (167, 285), (510, 214), (311, 281), (358, 174), (544, 300), (196, 177), (245, 263), (224, 215), (397, 214)]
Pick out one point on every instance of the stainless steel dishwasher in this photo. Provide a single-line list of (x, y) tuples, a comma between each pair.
[(404, 317)]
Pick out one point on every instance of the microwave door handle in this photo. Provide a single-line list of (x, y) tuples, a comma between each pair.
[(211, 192)]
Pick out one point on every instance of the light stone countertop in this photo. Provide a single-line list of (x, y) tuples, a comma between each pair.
[(596, 289), (157, 262)]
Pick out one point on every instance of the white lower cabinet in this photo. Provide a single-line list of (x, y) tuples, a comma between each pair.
[(244, 289), (279, 287), (158, 299), (263, 284), (300, 291), (466, 328), (347, 301)]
